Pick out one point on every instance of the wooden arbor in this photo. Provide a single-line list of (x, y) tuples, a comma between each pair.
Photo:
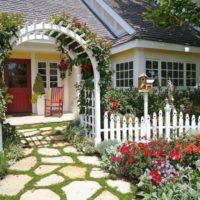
[(46, 31)]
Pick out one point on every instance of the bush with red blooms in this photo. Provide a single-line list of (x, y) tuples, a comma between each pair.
[(114, 104), (159, 158)]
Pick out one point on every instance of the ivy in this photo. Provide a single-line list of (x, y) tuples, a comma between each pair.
[(101, 51), (9, 24)]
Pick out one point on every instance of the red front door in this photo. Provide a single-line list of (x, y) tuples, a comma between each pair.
[(18, 81)]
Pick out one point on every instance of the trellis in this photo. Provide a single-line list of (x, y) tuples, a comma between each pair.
[(50, 32)]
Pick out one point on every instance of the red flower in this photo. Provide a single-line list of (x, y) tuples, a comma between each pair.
[(130, 161), (198, 136), (111, 99), (141, 145), (63, 65), (159, 153), (175, 155), (155, 177), (115, 105), (178, 147), (197, 150), (116, 159), (79, 24), (190, 148), (146, 153), (85, 67), (125, 149)]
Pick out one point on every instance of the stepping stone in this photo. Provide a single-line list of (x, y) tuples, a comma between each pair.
[(24, 141), (59, 128), (29, 134), (12, 184), (27, 151), (70, 149), (60, 144), (46, 133), (57, 137), (90, 160), (40, 194), (27, 130), (25, 164), (98, 173), (52, 179), (58, 160), (119, 185), (46, 128), (74, 172), (48, 152), (80, 190), (45, 169), (107, 196), (35, 138)]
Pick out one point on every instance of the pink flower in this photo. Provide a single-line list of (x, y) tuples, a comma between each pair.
[(116, 159)]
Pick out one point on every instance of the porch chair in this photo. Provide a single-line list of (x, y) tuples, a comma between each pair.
[(55, 104)]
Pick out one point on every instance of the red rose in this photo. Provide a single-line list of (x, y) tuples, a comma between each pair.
[(141, 145), (130, 161), (116, 159), (159, 153), (115, 105), (190, 148), (197, 150), (125, 149), (79, 24), (175, 155), (198, 136), (85, 67), (146, 153), (178, 147)]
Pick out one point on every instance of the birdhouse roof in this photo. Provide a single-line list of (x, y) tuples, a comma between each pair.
[(143, 75)]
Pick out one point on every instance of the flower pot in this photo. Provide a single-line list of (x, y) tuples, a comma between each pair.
[(40, 105)]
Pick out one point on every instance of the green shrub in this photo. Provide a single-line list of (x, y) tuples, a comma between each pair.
[(14, 152), (3, 165), (101, 148), (86, 146), (38, 86)]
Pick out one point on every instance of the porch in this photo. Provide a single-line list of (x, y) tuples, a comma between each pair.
[(35, 119)]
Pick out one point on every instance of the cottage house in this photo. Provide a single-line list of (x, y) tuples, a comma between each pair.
[(137, 47)]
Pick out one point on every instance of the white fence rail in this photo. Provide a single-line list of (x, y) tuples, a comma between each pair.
[(167, 125)]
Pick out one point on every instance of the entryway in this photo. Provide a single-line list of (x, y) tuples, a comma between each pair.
[(18, 81)]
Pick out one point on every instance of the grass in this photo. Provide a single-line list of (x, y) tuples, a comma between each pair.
[(58, 187)]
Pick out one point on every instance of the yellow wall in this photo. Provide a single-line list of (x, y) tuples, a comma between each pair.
[(122, 56)]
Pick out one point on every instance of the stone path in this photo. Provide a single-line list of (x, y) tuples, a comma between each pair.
[(57, 171)]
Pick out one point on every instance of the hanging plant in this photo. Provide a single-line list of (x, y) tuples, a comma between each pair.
[(63, 68)]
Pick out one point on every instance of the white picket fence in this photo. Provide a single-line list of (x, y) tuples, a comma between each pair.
[(169, 126)]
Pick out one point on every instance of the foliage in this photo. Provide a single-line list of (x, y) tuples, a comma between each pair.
[(100, 49), (3, 165), (101, 148), (12, 143), (86, 146), (184, 14), (9, 24), (185, 187)]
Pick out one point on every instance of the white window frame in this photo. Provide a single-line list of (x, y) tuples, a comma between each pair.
[(48, 71), (184, 70), (115, 74)]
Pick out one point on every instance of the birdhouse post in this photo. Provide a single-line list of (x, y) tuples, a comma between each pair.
[(145, 86)]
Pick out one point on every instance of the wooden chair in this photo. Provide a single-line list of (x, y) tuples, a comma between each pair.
[(55, 104)]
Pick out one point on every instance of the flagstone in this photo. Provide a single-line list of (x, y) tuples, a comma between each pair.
[(27, 151), (80, 190), (40, 194), (25, 164), (52, 179), (29, 134), (45, 169), (48, 152), (74, 172), (60, 144), (59, 128), (45, 133), (46, 128), (120, 185), (90, 160), (70, 149), (57, 160), (106, 196), (98, 173), (26, 130), (12, 184), (57, 137)]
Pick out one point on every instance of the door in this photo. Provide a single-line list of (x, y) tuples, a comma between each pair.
[(18, 81)]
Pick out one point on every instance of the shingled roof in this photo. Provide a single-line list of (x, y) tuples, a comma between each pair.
[(131, 11)]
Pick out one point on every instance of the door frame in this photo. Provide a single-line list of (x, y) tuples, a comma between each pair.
[(29, 82)]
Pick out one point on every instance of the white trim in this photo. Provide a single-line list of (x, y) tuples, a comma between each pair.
[(108, 10), (153, 45)]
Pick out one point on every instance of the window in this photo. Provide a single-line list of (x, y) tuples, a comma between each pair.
[(173, 71), (190, 74), (182, 74), (124, 75), (49, 73)]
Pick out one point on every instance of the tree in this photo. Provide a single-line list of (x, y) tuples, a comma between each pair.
[(184, 14)]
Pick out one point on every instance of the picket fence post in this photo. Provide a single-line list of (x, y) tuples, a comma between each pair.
[(167, 121)]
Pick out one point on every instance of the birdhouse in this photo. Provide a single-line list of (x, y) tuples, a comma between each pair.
[(145, 84), (142, 80)]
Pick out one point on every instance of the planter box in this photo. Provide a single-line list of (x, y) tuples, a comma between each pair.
[(40, 105)]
